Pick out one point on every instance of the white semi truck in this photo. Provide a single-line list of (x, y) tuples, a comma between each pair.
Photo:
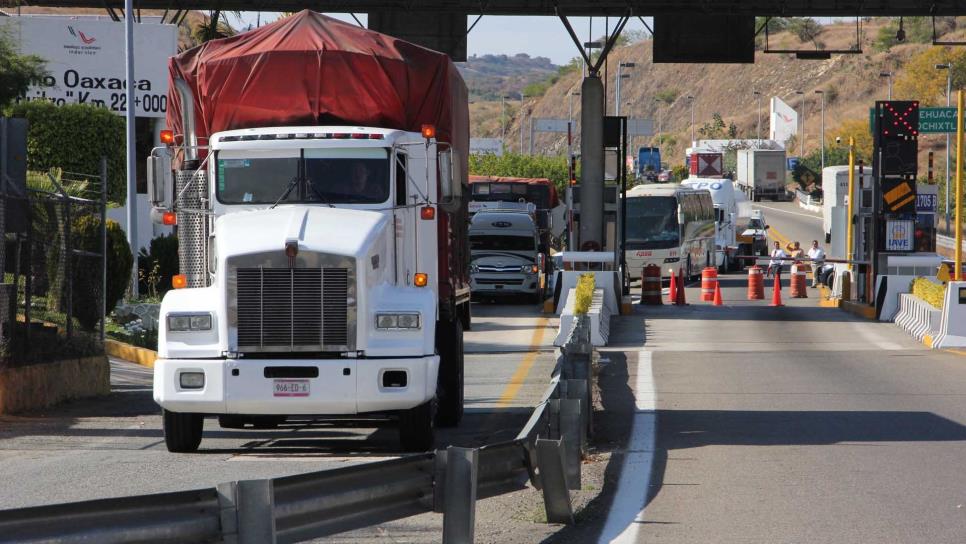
[(324, 265)]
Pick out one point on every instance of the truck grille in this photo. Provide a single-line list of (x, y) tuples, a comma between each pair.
[(292, 308)]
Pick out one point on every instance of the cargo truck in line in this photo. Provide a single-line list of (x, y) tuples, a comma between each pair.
[(761, 174), (317, 175), (835, 192), (725, 219)]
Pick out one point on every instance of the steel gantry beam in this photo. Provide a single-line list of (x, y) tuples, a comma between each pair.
[(574, 8)]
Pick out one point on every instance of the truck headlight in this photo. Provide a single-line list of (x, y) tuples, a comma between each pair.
[(395, 321), (192, 380), (189, 322), (529, 269), (474, 269)]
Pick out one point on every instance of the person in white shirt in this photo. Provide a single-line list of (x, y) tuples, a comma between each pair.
[(775, 264), (817, 255)]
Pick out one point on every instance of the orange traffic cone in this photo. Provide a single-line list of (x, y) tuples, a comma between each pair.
[(776, 297), (672, 294), (681, 300), (717, 294)]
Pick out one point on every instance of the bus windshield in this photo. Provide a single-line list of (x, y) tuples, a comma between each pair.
[(652, 222)]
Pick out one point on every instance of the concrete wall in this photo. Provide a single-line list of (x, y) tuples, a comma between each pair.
[(34, 387)]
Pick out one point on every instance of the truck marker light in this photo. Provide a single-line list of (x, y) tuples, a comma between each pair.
[(376, 137), (179, 281), (167, 137), (169, 218), (427, 212), (429, 131), (421, 279)]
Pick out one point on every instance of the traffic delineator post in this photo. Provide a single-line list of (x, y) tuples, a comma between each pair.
[(682, 301), (717, 294), (776, 297), (672, 294)]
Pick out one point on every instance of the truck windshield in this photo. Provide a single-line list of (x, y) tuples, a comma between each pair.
[(331, 176), (490, 242), (652, 222)]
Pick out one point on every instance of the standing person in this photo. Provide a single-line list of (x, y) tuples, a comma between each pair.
[(797, 252), (817, 255), (778, 255)]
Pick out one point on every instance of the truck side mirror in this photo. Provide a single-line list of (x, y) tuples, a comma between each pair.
[(767, 227), (160, 179), (450, 181), (680, 215)]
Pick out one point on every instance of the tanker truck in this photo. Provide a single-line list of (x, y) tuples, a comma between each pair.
[(317, 175)]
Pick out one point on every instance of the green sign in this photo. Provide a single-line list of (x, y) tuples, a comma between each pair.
[(931, 120)]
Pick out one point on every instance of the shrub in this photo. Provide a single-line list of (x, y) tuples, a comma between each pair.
[(583, 294), (74, 137), (157, 264), (555, 169), (931, 292), (86, 288)]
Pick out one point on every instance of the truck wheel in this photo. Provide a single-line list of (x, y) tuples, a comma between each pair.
[(449, 385), (416, 429), (182, 432)]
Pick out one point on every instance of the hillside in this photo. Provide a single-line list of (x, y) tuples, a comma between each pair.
[(851, 84), (491, 76)]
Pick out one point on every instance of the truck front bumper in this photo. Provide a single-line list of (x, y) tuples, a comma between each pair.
[(296, 386)]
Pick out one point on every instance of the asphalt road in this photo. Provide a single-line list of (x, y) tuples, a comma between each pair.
[(754, 424), (789, 222), (113, 446)]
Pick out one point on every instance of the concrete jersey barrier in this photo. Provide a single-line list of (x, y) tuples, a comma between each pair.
[(952, 328)]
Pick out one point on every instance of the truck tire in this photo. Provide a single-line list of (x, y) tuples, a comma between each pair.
[(182, 432), (449, 384), (416, 430)]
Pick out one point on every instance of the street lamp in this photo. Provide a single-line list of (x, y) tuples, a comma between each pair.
[(691, 101), (523, 111), (620, 76), (822, 138), (570, 126), (801, 146), (503, 120), (949, 90), (758, 126), (888, 75)]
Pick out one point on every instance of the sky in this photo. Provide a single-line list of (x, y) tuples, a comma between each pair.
[(535, 36)]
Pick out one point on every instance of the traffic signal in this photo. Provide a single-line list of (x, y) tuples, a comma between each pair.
[(897, 137)]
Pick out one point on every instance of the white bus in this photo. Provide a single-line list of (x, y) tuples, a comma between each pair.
[(670, 226)]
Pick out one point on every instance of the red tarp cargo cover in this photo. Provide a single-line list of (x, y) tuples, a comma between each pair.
[(309, 69)]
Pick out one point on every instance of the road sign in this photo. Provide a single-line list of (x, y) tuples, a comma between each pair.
[(550, 125), (899, 235), (899, 195), (640, 127), (931, 120)]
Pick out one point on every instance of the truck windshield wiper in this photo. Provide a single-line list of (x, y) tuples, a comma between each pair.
[(318, 194), (291, 185)]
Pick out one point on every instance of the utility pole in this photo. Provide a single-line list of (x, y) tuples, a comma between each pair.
[(823, 128), (889, 76), (801, 145), (758, 126), (503, 121), (949, 92), (570, 127), (691, 100), (620, 76), (132, 195)]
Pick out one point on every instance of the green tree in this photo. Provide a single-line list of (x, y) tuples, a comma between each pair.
[(667, 96), (555, 169), (17, 71), (714, 130), (805, 29)]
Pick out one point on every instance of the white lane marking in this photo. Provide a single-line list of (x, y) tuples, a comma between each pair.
[(627, 512), (809, 215)]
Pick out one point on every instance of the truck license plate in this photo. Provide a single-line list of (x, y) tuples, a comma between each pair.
[(291, 388)]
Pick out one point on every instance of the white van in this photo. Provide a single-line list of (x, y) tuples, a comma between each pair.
[(504, 254)]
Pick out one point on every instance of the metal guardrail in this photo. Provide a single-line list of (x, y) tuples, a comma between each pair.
[(806, 198), (547, 453)]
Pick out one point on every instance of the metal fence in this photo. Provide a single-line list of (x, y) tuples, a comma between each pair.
[(547, 452), (55, 266)]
